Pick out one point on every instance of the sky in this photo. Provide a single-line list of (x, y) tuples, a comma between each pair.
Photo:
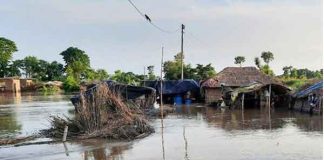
[(115, 36)]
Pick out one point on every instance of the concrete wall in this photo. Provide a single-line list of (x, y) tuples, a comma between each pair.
[(26, 83), (10, 84)]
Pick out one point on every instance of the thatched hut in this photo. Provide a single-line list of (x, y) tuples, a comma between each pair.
[(231, 78)]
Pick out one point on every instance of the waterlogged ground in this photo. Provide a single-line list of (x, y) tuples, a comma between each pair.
[(193, 132)]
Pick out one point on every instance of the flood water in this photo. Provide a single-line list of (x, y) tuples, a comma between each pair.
[(193, 132)]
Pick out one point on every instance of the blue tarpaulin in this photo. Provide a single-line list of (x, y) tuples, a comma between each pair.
[(174, 86), (310, 89)]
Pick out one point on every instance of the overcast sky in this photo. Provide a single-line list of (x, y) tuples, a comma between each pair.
[(115, 36)]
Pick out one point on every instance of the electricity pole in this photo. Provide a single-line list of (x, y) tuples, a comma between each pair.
[(161, 85), (182, 28), (144, 76)]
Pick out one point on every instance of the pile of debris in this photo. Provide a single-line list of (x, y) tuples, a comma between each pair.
[(101, 112)]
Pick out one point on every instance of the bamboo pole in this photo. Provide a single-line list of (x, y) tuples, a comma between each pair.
[(243, 101), (65, 133), (243, 96)]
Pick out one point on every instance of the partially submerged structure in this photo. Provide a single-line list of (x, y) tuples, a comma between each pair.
[(232, 82), (144, 97), (10, 84), (175, 90), (309, 99), (27, 84), (105, 110), (259, 94)]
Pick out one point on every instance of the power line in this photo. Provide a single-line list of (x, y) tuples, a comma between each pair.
[(150, 21)]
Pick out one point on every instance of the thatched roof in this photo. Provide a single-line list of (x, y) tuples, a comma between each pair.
[(238, 76)]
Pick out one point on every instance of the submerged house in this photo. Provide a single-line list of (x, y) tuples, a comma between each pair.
[(27, 84), (251, 81), (309, 99), (176, 91), (142, 96), (10, 84)]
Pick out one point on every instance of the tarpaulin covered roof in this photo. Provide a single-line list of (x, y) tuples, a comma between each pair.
[(174, 86), (127, 91), (311, 89)]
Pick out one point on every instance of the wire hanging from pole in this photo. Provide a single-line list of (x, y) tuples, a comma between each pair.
[(150, 21)]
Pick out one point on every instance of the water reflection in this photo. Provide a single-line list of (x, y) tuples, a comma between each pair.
[(101, 149), (23, 114), (192, 132), (9, 126)]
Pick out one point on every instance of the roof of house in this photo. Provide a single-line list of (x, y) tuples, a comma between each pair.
[(238, 76), (311, 89)]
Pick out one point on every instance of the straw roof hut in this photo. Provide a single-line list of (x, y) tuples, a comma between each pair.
[(233, 77)]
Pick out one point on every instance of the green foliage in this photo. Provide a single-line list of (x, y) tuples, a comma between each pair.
[(73, 54), (7, 48), (70, 84), (294, 83), (151, 75), (239, 60), (172, 70), (296, 78), (99, 74), (205, 72), (291, 72), (14, 68), (267, 57), (126, 77), (267, 70), (257, 62), (31, 66), (49, 89), (77, 67)]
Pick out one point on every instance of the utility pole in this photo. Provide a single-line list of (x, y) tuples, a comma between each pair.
[(144, 76), (161, 85), (182, 28)]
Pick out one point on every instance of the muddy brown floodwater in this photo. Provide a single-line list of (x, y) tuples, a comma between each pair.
[(192, 132)]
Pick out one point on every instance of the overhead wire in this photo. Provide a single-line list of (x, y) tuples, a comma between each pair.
[(150, 21)]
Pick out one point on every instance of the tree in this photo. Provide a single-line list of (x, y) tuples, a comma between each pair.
[(205, 72), (239, 60), (99, 74), (151, 75), (7, 48), (287, 71), (31, 66), (73, 54), (257, 62), (172, 70), (126, 78), (267, 57), (78, 63), (55, 71), (102, 74), (14, 68), (267, 70)]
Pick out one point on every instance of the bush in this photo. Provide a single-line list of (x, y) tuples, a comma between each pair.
[(49, 89), (70, 84)]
